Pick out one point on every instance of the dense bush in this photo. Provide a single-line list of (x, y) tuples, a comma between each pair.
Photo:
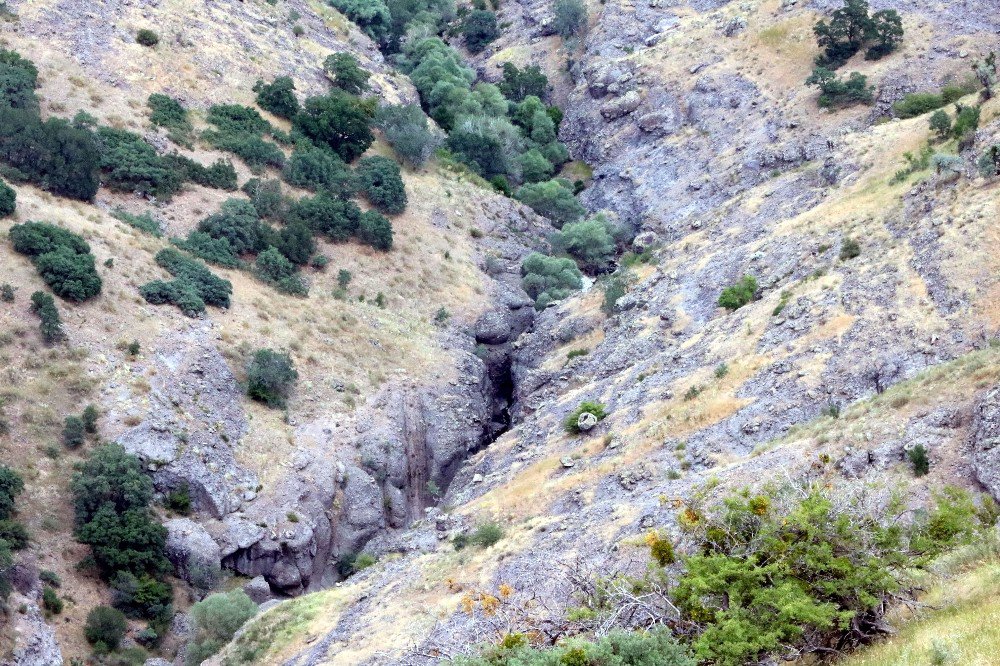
[(569, 18), (548, 279), (535, 168), (53, 154), (221, 175), (105, 628), (517, 84), (11, 485), (240, 130), (736, 296), (216, 251), (209, 287), (295, 242), (572, 421), (266, 197), (338, 120), (51, 601), (966, 124), (273, 267), (50, 324), (591, 242), (74, 433), (270, 376), (130, 164), (839, 93), (380, 181), (89, 418), (919, 103), (655, 647), (147, 37), (216, 620), (553, 200), (851, 28), (141, 596), (175, 292), (989, 162), (800, 570), (18, 81), (278, 97), (167, 112), (336, 219), (347, 74), (441, 77), (406, 129), (479, 28), (372, 16), (8, 200), (238, 223), (940, 122), (375, 230), (63, 259), (318, 169)]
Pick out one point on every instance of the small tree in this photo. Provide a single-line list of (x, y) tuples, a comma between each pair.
[(74, 432), (44, 306), (479, 29), (919, 460), (216, 619), (380, 180), (570, 18), (147, 37), (8, 200), (989, 162), (590, 242), (407, 131), (89, 418), (318, 169), (549, 279), (520, 83), (347, 74), (885, 29), (840, 93), (736, 296), (339, 121), (11, 485), (278, 97), (105, 628), (375, 230), (270, 376), (552, 200), (940, 122)]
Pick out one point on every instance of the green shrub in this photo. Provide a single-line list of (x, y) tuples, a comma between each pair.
[(8, 200), (266, 197), (552, 200), (105, 628), (534, 166), (130, 164), (375, 230), (270, 376), (278, 97), (851, 28), (571, 423), (50, 324), (237, 222), (272, 266), (591, 242), (143, 222), (7, 292), (548, 279), (141, 597), (520, 83), (217, 251), (840, 93), (209, 287), (318, 169), (336, 219), (240, 130), (966, 124), (51, 601), (486, 535), (988, 163), (11, 485), (216, 620), (179, 500), (339, 121), (849, 249), (380, 181), (221, 175), (405, 129), (295, 241), (50, 578), (917, 104), (347, 74), (167, 112), (736, 296), (570, 18), (63, 259), (940, 122), (74, 432), (919, 460), (147, 37), (20, 79), (479, 29), (176, 292), (372, 16)]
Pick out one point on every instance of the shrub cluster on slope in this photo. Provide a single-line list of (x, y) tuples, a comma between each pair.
[(62, 258)]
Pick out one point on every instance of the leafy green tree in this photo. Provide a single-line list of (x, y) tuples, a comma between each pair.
[(44, 306), (278, 97), (549, 279), (131, 541), (14, 533), (839, 93), (517, 84), (552, 200), (52, 154), (347, 74), (372, 16), (141, 596), (74, 432), (919, 460), (113, 477), (966, 124), (886, 31), (406, 129), (8, 200), (380, 180), (11, 485), (479, 29), (338, 120), (318, 169), (336, 219), (940, 122), (238, 223), (534, 167), (63, 259), (105, 628), (147, 37), (270, 376), (266, 197), (216, 620), (591, 242), (570, 18), (295, 241), (736, 296), (375, 230), (844, 35), (89, 418), (272, 266), (18, 81)]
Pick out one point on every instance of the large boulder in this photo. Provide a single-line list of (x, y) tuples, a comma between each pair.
[(193, 552)]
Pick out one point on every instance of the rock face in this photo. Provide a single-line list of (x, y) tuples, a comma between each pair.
[(193, 552), (35, 640), (193, 426), (985, 440)]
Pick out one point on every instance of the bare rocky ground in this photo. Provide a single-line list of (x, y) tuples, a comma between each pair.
[(703, 138)]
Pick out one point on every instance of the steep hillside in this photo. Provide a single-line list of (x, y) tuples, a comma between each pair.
[(423, 490)]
